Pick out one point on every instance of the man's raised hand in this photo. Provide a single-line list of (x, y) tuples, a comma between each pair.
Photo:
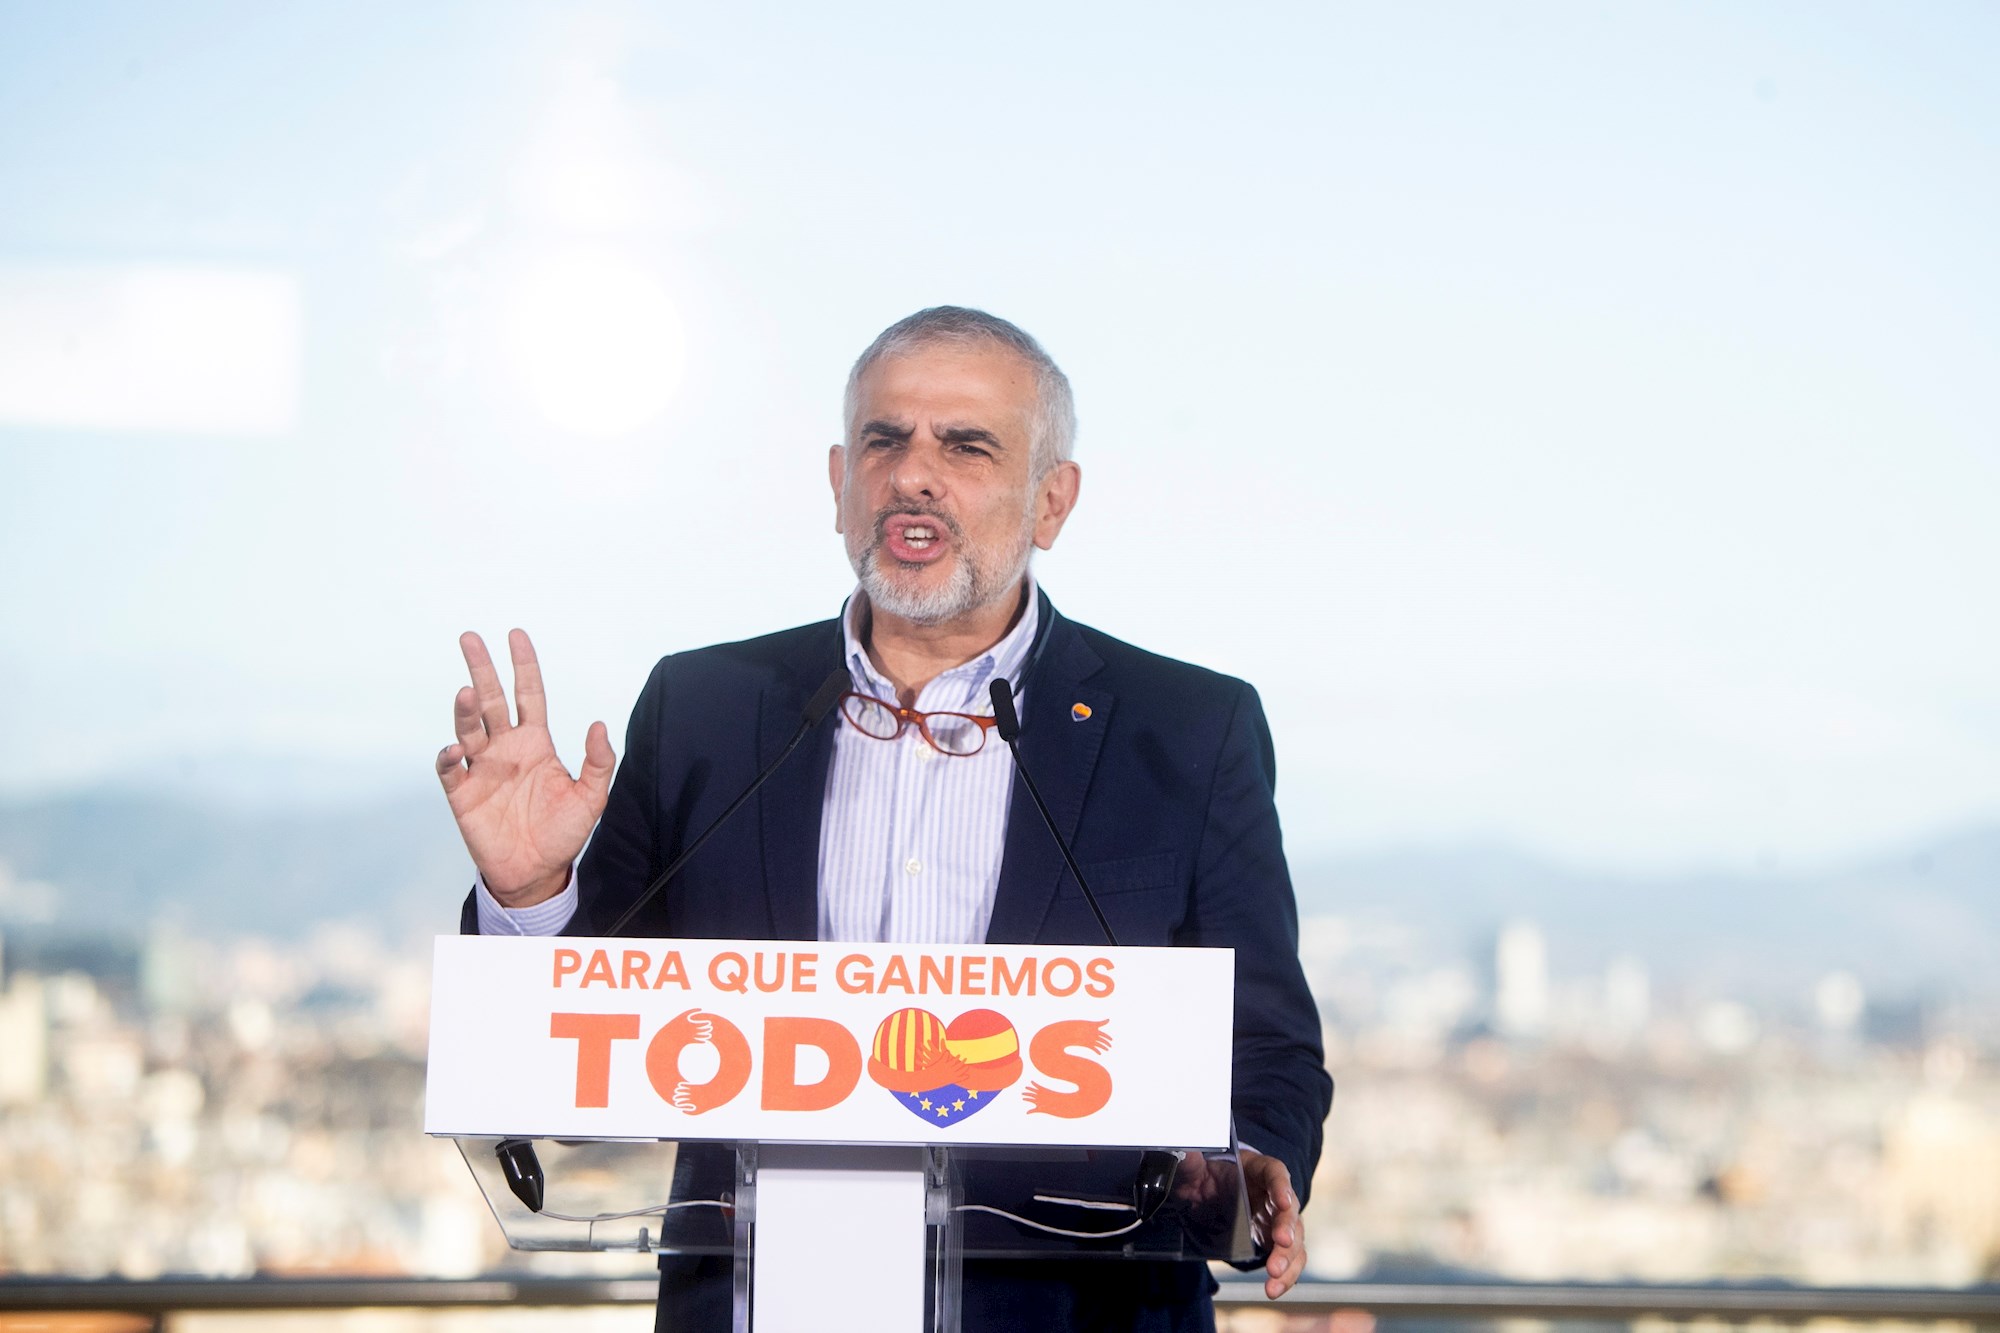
[(523, 818)]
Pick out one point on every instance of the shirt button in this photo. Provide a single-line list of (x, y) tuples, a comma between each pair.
[(924, 751), (913, 866)]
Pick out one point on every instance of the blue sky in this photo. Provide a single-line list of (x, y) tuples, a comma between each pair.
[(1577, 420)]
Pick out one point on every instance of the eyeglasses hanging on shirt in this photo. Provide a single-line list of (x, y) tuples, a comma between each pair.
[(955, 734)]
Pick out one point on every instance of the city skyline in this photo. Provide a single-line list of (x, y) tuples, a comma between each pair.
[(240, 1106)]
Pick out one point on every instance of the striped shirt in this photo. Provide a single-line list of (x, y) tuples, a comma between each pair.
[(910, 840)]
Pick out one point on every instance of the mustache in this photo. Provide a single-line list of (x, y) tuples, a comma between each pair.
[(942, 519)]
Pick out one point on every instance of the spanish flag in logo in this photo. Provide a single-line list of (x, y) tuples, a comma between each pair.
[(940, 1072), (986, 1042)]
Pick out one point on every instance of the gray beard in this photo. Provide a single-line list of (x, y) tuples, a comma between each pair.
[(969, 587)]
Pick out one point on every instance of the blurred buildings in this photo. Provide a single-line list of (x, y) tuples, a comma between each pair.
[(227, 1108), (198, 1105), (1548, 1125)]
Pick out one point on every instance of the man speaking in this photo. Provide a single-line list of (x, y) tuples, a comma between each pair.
[(898, 821)]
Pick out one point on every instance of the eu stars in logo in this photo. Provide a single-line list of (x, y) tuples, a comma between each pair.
[(944, 1073)]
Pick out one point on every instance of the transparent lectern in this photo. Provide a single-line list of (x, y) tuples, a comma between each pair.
[(847, 1146)]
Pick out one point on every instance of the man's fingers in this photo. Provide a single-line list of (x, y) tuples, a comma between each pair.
[(1288, 1256), (530, 704), (1296, 1268), (1277, 1207), (1288, 1276), (1284, 1250), (598, 761), (465, 723), (451, 767), (485, 683)]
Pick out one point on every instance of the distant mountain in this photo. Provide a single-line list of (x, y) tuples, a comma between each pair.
[(116, 860), (1924, 919)]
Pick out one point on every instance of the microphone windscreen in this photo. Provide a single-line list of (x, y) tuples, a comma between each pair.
[(1003, 710), (826, 696)]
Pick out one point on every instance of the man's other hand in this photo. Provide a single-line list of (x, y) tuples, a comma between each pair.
[(523, 818), (1274, 1213)]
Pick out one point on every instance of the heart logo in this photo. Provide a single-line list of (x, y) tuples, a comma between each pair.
[(942, 1073)]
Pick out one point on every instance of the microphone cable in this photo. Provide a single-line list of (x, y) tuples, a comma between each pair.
[(824, 698)]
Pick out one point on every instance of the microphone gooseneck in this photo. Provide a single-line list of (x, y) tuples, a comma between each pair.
[(822, 702), (1008, 724)]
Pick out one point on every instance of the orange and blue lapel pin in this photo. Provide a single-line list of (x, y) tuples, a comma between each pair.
[(1079, 712)]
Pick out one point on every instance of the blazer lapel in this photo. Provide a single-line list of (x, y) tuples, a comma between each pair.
[(1061, 754), (789, 806)]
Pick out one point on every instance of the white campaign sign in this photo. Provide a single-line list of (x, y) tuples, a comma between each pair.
[(787, 1041)]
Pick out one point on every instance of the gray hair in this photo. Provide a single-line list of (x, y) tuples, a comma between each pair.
[(1055, 409)]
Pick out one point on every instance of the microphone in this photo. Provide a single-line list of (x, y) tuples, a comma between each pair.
[(824, 698), (1008, 724), (523, 1171)]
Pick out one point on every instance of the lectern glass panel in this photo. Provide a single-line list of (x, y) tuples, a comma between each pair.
[(993, 1202), (599, 1194)]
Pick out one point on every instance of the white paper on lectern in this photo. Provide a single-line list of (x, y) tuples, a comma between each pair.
[(496, 1069)]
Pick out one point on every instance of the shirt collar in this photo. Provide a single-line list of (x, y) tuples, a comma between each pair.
[(1003, 659)]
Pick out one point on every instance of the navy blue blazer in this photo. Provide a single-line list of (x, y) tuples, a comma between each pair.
[(1165, 793)]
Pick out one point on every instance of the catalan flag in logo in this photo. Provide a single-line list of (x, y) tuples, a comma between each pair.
[(941, 1073)]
